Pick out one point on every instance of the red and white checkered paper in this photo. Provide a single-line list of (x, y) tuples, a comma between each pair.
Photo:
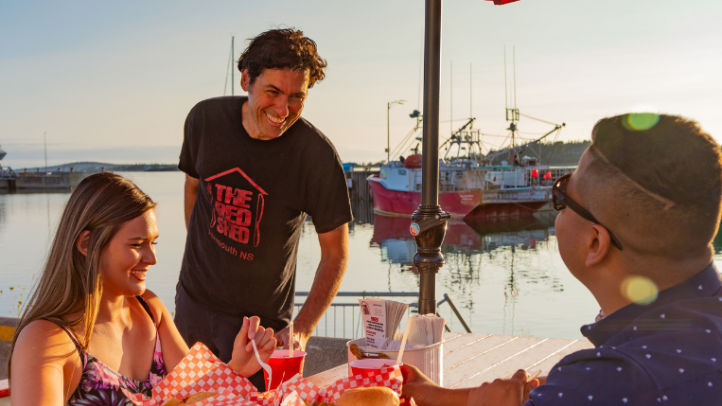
[(389, 377), (201, 371)]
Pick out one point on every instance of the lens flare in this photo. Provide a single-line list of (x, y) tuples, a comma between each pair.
[(640, 290), (640, 121)]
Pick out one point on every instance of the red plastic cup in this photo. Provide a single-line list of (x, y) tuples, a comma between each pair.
[(364, 366), (284, 367)]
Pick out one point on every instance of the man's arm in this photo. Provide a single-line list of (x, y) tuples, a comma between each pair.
[(512, 391), (334, 257), (189, 200)]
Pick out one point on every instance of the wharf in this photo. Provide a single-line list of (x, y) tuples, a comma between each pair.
[(471, 359), (39, 181), (358, 187)]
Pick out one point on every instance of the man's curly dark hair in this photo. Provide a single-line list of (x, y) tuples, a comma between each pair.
[(281, 49)]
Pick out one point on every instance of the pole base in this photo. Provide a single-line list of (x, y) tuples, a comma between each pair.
[(429, 229)]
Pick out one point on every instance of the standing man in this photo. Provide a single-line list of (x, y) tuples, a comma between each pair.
[(254, 170)]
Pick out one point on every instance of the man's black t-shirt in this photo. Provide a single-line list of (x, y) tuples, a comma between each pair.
[(253, 197)]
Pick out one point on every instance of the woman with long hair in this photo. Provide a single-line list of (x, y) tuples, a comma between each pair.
[(90, 327)]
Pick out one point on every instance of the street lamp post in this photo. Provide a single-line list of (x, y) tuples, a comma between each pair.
[(388, 128)]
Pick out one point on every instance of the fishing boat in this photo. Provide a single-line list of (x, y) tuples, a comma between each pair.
[(478, 181), (501, 183)]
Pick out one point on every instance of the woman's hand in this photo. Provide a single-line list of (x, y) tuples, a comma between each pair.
[(243, 360)]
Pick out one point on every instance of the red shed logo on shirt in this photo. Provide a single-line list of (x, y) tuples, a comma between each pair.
[(238, 204)]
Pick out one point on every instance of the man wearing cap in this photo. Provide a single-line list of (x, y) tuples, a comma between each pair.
[(636, 224), (254, 170)]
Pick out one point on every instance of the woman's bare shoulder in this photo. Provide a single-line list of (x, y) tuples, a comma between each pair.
[(156, 305), (41, 339), (44, 358)]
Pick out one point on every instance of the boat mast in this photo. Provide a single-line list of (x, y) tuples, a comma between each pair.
[(506, 91), (512, 114), (470, 109), (233, 62), (45, 142)]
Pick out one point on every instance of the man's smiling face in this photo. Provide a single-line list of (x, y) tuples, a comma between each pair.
[(275, 101)]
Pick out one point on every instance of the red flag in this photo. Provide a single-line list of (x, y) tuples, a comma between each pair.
[(502, 2)]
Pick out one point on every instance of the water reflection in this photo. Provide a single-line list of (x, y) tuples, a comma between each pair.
[(509, 255), (363, 212), (463, 240), (3, 210)]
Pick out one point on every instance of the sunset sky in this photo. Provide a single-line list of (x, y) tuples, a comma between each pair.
[(113, 81)]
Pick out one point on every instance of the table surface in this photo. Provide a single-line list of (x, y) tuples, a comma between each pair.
[(473, 358)]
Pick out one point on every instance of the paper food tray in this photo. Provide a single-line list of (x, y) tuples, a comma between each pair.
[(201, 371)]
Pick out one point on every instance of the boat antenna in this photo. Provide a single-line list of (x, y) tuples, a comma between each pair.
[(451, 97), (512, 114), (228, 68), (470, 91), (506, 91), (421, 67), (514, 56), (233, 60), (45, 141)]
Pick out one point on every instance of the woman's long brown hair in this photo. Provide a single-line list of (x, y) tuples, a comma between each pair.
[(69, 289)]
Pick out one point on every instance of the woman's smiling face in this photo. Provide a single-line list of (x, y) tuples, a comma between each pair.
[(127, 257)]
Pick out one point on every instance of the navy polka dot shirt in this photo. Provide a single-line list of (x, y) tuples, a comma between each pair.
[(668, 352)]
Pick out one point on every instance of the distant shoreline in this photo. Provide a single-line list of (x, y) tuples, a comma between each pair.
[(103, 166)]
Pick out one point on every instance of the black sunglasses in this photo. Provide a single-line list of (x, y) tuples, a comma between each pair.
[(562, 201)]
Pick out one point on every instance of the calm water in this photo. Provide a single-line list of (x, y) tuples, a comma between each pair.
[(506, 278)]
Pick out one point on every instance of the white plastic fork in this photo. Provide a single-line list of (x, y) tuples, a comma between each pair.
[(265, 366)]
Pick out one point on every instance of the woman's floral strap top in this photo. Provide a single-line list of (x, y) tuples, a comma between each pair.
[(101, 386)]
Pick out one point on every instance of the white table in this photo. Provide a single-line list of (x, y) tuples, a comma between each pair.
[(473, 358)]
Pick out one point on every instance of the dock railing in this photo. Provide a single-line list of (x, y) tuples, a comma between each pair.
[(339, 313)]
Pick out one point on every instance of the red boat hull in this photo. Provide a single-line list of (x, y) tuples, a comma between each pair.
[(467, 204), (393, 202)]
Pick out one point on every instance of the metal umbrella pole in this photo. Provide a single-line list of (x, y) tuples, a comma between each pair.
[(429, 221)]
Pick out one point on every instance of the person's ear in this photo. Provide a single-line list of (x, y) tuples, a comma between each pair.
[(82, 242), (598, 246), (245, 80)]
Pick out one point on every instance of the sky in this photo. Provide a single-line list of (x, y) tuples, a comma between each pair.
[(114, 81)]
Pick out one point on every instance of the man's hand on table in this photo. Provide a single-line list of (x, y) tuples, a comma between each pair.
[(300, 338), (533, 384), (503, 392), (243, 360), (427, 393)]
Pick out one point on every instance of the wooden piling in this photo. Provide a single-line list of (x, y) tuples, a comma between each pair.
[(359, 189)]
